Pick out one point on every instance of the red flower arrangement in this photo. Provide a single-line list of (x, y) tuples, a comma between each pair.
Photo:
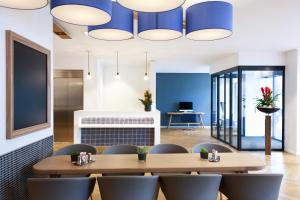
[(268, 99)]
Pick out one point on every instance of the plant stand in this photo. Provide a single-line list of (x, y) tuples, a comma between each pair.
[(268, 111), (268, 135)]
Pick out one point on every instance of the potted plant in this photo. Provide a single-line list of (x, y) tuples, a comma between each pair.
[(142, 153), (204, 153), (74, 156), (147, 101), (267, 103)]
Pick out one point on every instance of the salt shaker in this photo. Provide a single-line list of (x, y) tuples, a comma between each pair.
[(89, 157), (214, 154), (79, 160)]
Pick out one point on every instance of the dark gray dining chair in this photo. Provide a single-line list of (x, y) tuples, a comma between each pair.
[(128, 187), (190, 187), (210, 147), (251, 186), (168, 149), (121, 149), (68, 150), (60, 188)]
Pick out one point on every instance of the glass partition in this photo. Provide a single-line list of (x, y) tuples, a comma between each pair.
[(214, 117), (235, 119)]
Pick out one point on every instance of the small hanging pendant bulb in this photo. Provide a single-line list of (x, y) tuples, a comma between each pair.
[(89, 76), (118, 76), (146, 77)]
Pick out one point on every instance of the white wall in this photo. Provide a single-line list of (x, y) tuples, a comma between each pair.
[(104, 91), (292, 99), (224, 63), (261, 58), (123, 94), (37, 26)]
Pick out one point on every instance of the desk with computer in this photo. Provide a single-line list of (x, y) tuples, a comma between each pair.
[(186, 108)]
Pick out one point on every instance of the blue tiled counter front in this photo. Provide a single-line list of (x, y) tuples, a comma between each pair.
[(113, 128), (114, 136)]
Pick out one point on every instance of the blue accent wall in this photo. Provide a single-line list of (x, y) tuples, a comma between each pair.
[(171, 88)]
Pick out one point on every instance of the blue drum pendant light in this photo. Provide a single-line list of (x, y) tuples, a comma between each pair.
[(119, 28), (160, 26), (151, 5), (211, 20), (24, 5), (82, 12)]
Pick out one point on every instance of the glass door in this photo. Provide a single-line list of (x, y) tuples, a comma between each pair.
[(253, 121), (234, 109), (234, 118), (227, 108), (221, 108), (214, 106)]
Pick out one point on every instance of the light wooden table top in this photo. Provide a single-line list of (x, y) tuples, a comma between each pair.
[(230, 162), (186, 113)]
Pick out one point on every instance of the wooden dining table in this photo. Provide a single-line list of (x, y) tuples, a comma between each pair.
[(129, 163)]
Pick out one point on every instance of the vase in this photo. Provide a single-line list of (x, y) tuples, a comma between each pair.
[(142, 156), (74, 157), (268, 110), (148, 108), (204, 155)]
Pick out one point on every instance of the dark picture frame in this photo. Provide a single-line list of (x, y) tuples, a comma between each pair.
[(12, 132)]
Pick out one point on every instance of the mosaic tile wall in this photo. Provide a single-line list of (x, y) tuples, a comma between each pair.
[(16, 167), (115, 136)]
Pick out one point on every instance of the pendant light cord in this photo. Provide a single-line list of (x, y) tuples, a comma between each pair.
[(88, 62), (117, 62), (146, 63)]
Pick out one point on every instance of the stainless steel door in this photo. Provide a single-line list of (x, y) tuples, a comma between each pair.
[(68, 97)]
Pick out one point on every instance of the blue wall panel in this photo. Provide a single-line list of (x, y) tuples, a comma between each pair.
[(171, 88)]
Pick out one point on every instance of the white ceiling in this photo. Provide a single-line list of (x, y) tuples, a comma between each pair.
[(259, 25)]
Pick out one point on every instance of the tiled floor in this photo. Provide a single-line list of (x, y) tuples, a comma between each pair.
[(279, 162)]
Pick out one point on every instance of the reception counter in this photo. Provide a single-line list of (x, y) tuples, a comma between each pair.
[(101, 128)]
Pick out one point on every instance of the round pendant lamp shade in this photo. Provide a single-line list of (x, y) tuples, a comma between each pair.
[(160, 26), (211, 20), (23, 5), (82, 12), (151, 5), (119, 28)]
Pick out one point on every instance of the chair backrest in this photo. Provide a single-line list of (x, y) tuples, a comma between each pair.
[(191, 187), (121, 149), (251, 186), (60, 188), (128, 187), (75, 148), (167, 148), (210, 147)]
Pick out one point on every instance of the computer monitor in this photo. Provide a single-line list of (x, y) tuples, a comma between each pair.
[(185, 106)]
